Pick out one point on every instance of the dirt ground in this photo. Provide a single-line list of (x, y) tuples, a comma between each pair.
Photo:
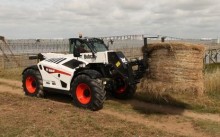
[(56, 116)]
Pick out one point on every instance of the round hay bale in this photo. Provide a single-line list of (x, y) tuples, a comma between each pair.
[(174, 67)]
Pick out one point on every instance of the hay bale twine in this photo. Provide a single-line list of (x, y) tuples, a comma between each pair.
[(174, 67)]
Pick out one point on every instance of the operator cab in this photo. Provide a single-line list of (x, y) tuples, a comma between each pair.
[(78, 46)]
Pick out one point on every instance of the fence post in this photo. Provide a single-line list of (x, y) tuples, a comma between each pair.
[(3, 63), (21, 60), (133, 55)]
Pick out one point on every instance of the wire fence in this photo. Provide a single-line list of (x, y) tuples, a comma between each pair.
[(34, 46), (130, 46)]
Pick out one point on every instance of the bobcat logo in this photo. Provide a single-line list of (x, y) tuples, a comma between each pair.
[(88, 56)]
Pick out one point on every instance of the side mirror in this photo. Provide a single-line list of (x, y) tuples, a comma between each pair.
[(107, 46), (109, 42)]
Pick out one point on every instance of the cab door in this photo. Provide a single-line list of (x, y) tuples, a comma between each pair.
[(80, 49)]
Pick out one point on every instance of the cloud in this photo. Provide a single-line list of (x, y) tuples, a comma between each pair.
[(66, 18), (133, 5)]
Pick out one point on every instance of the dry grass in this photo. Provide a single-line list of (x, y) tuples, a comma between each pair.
[(209, 102), (213, 128), (26, 116), (212, 82), (16, 61), (14, 73)]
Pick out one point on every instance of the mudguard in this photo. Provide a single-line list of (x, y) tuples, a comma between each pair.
[(91, 73), (34, 67)]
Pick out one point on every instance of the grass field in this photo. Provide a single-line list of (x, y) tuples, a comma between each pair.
[(56, 116), (14, 73), (25, 116), (209, 102)]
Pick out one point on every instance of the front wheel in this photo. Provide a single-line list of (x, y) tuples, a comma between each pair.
[(32, 83), (88, 93), (123, 90)]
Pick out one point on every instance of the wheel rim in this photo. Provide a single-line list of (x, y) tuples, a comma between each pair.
[(121, 87), (31, 84), (83, 93)]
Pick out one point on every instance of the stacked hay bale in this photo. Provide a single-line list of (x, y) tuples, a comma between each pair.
[(174, 67)]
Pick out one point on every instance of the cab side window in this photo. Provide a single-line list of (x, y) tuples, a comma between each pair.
[(82, 47)]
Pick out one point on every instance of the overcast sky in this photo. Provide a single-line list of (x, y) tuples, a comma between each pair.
[(67, 18)]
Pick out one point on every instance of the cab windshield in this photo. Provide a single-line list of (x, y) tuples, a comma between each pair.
[(97, 45)]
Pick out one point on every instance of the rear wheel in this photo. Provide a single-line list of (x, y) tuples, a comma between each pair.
[(123, 90), (88, 93), (32, 83)]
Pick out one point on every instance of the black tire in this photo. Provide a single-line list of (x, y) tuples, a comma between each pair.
[(123, 90), (88, 93), (32, 83)]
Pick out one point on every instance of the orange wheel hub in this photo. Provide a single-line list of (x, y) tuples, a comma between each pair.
[(31, 84), (122, 86), (83, 93), (121, 89)]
